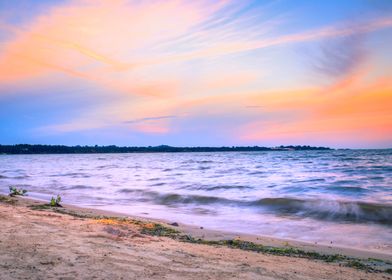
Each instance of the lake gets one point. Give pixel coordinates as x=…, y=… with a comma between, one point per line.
x=339, y=196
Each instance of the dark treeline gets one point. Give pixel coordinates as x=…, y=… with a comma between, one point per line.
x=59, y=149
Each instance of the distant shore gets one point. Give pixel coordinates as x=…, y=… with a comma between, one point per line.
x=60, y=149
x=38, y=240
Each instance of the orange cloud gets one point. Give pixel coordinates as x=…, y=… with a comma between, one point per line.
x=135, y=50
x=101, y=38
x=358, y=112
x=95, y=39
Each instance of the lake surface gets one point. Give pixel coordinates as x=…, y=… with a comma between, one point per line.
x=343, y=196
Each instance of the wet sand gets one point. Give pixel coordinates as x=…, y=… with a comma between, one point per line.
x=42, y=244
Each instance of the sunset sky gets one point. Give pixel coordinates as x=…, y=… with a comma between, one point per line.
x=196, y=73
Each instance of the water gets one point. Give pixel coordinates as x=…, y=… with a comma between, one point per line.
x=316, y=196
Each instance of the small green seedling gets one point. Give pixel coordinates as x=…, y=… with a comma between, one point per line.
x=55, y=202
x=14, y=191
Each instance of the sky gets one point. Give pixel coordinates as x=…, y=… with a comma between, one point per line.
x=196, y=73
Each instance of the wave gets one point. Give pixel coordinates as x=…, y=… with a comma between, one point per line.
x=79, y=187
x=218, y=187
x=107, y=166
x=349, y=211
x=21, y=177
x=154, y=179
x=354, y=190
x=171, y=199
x=349, y=158
x=311, y=180
x=198, y=161
x=14, y=177
x=340, y=211
x=204, y=168
x=257, y=173
x=158, y=184
x=72, y=175
x=227, y=188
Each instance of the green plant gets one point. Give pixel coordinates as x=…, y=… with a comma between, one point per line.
x=55, y=202
x=14, y=191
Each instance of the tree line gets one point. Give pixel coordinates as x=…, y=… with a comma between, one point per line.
x=61, y=149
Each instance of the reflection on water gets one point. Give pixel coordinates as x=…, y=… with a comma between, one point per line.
x=323, y=196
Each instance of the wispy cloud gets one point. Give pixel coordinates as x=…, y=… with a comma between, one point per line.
x=150, y=119
x=341, y=56
x=71, y=40
x=164, y=59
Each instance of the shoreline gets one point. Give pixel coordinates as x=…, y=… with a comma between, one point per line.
x=216, y=235
x=39, y=241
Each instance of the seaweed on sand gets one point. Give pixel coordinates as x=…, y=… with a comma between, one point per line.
x=155, y=229
x=160, y=230
x=7, y=200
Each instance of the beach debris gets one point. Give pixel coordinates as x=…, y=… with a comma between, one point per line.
x=47, y=263
x=175, y=224
x=14, y=191
x=55, y=202
x=114, y=231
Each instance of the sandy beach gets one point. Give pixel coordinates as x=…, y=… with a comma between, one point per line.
x=39, y=243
